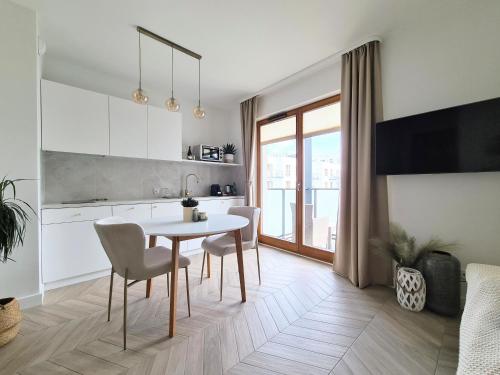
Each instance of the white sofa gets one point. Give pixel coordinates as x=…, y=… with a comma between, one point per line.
x=480, y=325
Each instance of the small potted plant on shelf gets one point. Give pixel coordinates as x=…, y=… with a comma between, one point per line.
x=410, y=284
x=189, y=204
x=13, y=220
x=229, y=151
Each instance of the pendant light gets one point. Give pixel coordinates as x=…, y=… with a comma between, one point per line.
x=198, y=111
x=139, y=96
x=171, y=103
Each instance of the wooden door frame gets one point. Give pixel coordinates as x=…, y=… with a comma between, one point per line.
x=298, y=246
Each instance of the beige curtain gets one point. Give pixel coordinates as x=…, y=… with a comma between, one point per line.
x=248, y=113
x=363, y=212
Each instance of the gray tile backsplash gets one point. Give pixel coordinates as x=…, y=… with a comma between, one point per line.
x=67, y=177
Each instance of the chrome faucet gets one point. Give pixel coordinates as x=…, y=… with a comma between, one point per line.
x=186, y=191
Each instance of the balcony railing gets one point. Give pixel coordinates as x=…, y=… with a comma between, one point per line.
x=323, y=202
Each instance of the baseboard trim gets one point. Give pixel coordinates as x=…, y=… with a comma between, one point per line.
x=30, y=301
x=76, y=279
x=96, y=275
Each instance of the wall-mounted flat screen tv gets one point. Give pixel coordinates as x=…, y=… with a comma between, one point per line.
x=452, y=140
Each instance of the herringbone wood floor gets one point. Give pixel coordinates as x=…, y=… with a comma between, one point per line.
x=303, y=319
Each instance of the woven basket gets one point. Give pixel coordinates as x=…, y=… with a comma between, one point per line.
x=10, y=319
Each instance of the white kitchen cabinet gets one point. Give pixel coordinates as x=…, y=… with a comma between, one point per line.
x=71, y=248
x=166, y=209
x=133, y=212
x=208, y=206
x=74, y=120
x=128, y=128
x=237, y=202
x=164, y=134
x=72, y=214
x=169, y=209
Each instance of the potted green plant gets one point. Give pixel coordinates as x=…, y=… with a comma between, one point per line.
x=229, y=151
x=410, y=284
x=13, y=220
x=188, y=205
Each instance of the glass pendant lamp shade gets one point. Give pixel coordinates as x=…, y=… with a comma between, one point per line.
x=172, y=105
x=139, y=96
x=198, y=111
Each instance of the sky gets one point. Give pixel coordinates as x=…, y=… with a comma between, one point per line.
x=326, y=145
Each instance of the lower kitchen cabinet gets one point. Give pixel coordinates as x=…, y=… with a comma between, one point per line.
x=132, y=212
x=70, y=246
x=72, y=252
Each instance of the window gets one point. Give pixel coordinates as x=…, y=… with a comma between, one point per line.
x=302, y=149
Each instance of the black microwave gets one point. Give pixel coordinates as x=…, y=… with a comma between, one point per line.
x=208, y=153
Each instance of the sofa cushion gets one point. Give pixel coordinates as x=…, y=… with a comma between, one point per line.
x=480, y=325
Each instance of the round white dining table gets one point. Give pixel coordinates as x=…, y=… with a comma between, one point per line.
x=177, y=230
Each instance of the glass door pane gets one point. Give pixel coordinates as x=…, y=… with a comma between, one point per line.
x=321, y=176
x=278, y=168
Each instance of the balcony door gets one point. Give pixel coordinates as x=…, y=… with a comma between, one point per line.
x=299, y=178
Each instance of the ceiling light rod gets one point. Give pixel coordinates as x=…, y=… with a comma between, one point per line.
x=161, y=39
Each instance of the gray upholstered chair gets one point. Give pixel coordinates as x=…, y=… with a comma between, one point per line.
x=124, y=244
x=223, y=244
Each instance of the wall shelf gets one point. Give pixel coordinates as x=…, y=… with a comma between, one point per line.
x=212, y=163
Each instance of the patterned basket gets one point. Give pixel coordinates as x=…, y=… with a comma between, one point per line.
x=10, y=319
x=410, y=289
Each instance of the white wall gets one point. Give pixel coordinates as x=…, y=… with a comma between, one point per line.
x=213, y=129
x=296, y=92
x=452, y=60
x=20, y=141
x=434, y=63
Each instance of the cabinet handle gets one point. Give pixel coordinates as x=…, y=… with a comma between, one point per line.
x=77, y=214
x=130, y=209
x=155, y=206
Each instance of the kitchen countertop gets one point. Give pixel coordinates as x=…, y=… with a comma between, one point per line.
x=133, y=201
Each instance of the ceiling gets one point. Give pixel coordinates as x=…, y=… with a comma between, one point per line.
x=246, y=45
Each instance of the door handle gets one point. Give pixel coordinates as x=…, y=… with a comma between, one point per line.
x=298, y=186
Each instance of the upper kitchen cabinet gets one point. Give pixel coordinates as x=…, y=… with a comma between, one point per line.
x=164, y=134
x=128, y=128
x=74, y=120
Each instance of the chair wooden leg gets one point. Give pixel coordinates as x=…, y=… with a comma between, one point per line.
x=221, y=275
x=258, y=259
x=168, y=284
x=203, y=266
x=208, y=265
x=125, y=310
x=187, y=291
x=110, y=293
x=148, y=288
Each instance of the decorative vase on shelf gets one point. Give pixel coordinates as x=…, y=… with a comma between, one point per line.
x=228, y=158
x=187, y=214
x=410, y=289
x=441, y=271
